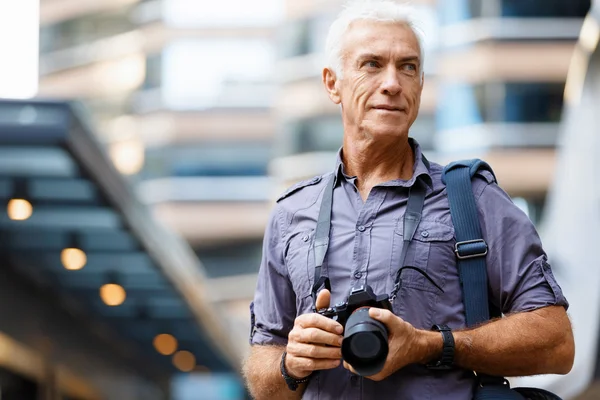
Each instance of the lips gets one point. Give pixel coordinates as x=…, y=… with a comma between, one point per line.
x=387, y=107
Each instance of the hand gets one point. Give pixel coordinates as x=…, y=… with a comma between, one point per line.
x=402, y=343
x=314, y=343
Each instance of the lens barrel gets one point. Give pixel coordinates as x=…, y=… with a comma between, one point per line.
x=365, y=344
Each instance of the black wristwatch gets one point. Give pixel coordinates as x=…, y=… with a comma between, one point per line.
x=447, y=358
x=292, y=383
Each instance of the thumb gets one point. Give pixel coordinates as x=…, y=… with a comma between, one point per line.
x=323, y=299
x=385, y=316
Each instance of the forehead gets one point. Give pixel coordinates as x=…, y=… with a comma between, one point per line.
x=380, y=38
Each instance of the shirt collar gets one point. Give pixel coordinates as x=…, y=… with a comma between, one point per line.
x=421, y=169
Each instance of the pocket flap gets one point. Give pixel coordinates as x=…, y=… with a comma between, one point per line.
x=429, y=231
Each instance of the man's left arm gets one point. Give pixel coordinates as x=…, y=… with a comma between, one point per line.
x=534, y=336
x=527, y=343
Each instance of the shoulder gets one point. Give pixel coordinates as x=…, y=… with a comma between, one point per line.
x=483, y=177
x=311, y=185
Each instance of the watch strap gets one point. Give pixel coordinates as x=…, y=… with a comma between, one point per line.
x=446, y=360
x=291, y=382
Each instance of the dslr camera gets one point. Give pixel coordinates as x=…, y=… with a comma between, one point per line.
x=365, y=343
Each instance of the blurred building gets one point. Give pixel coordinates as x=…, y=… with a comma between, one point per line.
x=182, y=93
x=502, y=71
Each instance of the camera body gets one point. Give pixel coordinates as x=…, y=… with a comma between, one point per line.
x=365, y=343
x=362, y=296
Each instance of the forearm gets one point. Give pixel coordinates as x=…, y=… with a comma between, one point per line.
x=261, y=371
x=529, y=343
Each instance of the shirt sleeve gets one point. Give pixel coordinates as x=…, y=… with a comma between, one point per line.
x=273, y=311
x=519, y=275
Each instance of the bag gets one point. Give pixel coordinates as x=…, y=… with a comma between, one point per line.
x=471, y=250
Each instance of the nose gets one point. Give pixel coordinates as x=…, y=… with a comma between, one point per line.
x=391, y=84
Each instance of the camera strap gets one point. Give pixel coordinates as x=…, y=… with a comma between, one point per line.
x=411, y=219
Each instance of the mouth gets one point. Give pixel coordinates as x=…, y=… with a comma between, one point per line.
x=388, y=108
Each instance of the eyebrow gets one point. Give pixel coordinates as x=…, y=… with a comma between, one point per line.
x=376, y=57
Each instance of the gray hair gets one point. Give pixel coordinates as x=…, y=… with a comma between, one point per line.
x=370, y=10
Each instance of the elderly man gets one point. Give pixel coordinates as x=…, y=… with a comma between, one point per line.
x=375, y=72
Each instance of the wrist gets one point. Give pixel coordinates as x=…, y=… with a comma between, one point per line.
x=430, y=346
x=446, y=360
x=297, y=375
x=292, y=382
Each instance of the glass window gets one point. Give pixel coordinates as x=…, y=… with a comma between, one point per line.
x=323, y=133
x=201, y=74
x=86, y=29
x=208, y=159
x=153, y=76
x=454, y=11
x=231, y=259
x=462, y=105
x=222, y=13
x=545, y=8
x=533, y=102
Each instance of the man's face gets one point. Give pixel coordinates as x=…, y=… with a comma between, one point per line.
x=380, y=91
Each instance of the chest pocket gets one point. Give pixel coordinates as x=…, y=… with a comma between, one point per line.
x=431, y=251
x=299, y=260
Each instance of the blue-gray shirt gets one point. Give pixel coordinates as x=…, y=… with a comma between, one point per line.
x=367, y=236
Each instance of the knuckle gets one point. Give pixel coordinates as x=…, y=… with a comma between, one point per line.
x=291, y=349
x=314, y=319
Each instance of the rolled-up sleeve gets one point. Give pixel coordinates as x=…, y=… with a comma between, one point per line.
x=273, y=310
x=520, y=278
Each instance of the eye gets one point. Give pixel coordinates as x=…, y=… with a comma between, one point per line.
x=371, y=64
x=409, y=67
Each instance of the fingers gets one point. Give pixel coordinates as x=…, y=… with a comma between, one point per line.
x=305, y=350
x=314, y=336
x=314, y=320
x=349, y=367
x=385, y=316
x=323, y=299
x=308, y=365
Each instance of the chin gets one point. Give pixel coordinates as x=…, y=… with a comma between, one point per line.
x=388, y=130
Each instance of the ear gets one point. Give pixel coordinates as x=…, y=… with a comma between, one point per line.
x=330, y=83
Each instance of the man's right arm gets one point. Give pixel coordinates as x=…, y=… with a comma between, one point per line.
x=313, y=344
x=261, y=371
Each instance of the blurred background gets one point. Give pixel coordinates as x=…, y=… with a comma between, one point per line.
x=143, y=142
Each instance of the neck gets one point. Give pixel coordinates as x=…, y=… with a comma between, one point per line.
x=373, y=163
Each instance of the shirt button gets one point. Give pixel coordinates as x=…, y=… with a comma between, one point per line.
x=305, y=238
x=425, y=234
x=357, y=274
x=361, y=228
x=354, y=379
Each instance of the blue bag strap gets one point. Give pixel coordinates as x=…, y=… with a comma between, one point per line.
x=470, y=247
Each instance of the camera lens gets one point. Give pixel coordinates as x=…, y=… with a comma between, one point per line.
x=365, y=344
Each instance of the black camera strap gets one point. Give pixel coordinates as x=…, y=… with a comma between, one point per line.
x=412, y=217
